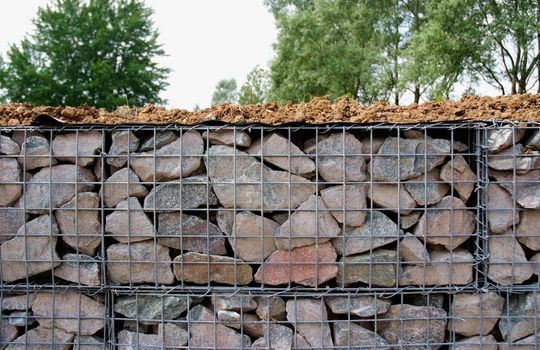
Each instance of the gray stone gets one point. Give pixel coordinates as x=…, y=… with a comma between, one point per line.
x=535, y=261
x=521, y=316
x=387, y=196
x=189, y=193
x=501, y=214
x=376, y=268
x=377, y=230
x=177, y=159
x=339, y=152
x=7, y=334
x=203, y=268
x=71, y=311
x=229, y=137
x=36, y=153
x=248, y=323
x=18, y=302
x=475, y=314
x=310, y=145
x=347, y=206
x=311, y=223
x=116, y=187
x=371, y=145
x=239, y=303
x=457, y=173
x=408, y=221
x=516, y=157
x=123, y=143
x=88, y=343
x=137, y=341
x=160, y=139
x=534, y=140
x=20, y=135
x=11, y=219
x=413, y=251
x=129, y=222
x=79, y=268
x=529, y=343
x=140, y=262
x=190, y=233
x=503, y=137
x=38, y=338
x=149, y=308
x=78, y=146
x=447, y=223
x=430, y=299
x=206, y=333
x=278, y=337
x=52, y=187
x=277, y=150
x=10, y=174
x=446, y=268
x=507, y=263
x=309, y=317
x=349, y=334
x=528, y=230
x=427, y=189
x=21, y=318
x=79, y=228
x=271, y=308
x=527, y=186
x=405, y=326
x=476, y=343
x=31, y=251
x=361, y=306
x=8, y=146
x=172, y=336
x=237, y=180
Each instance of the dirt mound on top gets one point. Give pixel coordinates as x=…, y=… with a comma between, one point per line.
x=318, y=111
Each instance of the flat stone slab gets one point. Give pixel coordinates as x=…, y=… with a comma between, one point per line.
x=158, y=140
x=475, y=314
x=516, y=157
x=80, y=147
x=376, y=268
x=203, y=268
x=503, y=137
x=361, y=306
x=229, y=137
x=79, y=268
x=237, y=303
x=122, y=184
x=309, y=317
x=18, y=302
x=129, y=223
x=348, y=206
x=507, y=262
x=148, y=308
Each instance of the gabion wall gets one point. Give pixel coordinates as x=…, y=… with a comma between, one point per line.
x=291, y=237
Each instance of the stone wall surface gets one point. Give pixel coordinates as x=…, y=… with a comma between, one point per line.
x=171, y=237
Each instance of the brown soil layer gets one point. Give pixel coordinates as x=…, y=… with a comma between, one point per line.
x=318, y=111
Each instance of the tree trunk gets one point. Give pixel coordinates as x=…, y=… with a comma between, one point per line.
x=416, y=94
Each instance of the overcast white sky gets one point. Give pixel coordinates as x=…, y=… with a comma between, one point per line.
x=206, y=41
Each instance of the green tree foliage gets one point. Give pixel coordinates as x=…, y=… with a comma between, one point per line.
x=255, y=89
x=98, y=52
x=225, y=92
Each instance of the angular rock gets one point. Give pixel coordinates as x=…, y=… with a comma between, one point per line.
x=8, y=332
x=361, y=306
x=229, y=137
x=129, y=222
x=457, y=173
x=78, y=146
x=278, y=337
x=310, y=145
x=501, y=214
x=507, y=263
x=8, y=146
x=67, y=180
x=339, y=152
x=521, y=316
x=527, y=186
x=123, y=143
x=79, y=228
x=10, y=174
x=413, y=251
x=528, y=230
x=36, y=153
x=516, y=157
x=277, y=150
x=239, y=303
x=248, y=323
x=271, y=308
x=11, y=219
x=309, y=317
x=347, y=206
x=408, y=221
x=158, y=140
x=147, y=308
x=140, y=262
x=203, y=268
x=40, y=337
x=475, y=314
x=446, y=268
x=371, y=145
x=72, y=312
x=206, y=333
x=529, y=343
x=447, y=223
x=534, y=140
x=378, y=230
x=172, y=335
x=431, y=299
x=386, y=196
x=427, y=189
x=79, y=268
x=311, y=223
x=137, y=341
x=119, y=186
x=190, y=233
x=177, y=159
x=535, y=260
x=18, y=302
x=348, y=333
x=503, y=137
x=188, y=193
x=376, y=268
x=476, y=343
x=31, y=251
x=242, y=182
x=21, y=318
x=284, y=266
x=87, y=343
x=405, y=326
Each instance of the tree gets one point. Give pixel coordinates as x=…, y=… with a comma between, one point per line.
x=95, y=52
x=255, y=89
x=225, y=92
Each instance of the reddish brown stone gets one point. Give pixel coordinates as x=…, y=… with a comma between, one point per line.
x=459, y=175
x=203, y=268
